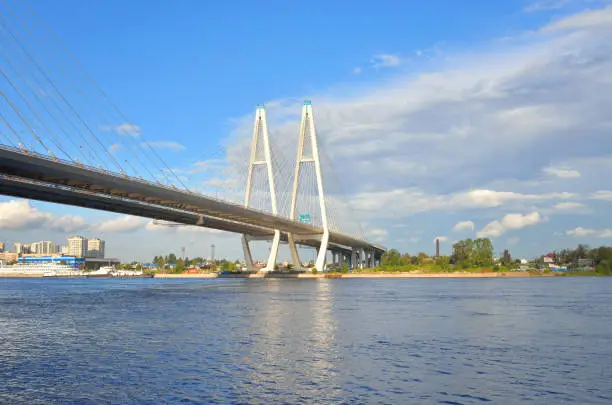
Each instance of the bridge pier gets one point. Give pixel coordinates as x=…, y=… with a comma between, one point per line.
x=248, y=257
x=362, y=258
x=295, y=256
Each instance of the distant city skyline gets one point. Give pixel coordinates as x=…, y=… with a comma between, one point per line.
x=77, y=246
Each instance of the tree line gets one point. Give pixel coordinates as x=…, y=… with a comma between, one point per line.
x=466, y=253
x=479, y=253
x=178, y=265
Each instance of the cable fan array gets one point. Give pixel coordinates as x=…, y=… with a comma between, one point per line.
x=49, y=104
x=283, y=147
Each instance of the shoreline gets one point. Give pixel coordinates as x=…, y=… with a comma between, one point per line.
x=517, y=274
x=373, y=275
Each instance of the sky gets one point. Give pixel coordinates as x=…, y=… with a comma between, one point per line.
x=439, y=119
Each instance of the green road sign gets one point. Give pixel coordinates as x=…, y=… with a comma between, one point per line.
x=305, y=218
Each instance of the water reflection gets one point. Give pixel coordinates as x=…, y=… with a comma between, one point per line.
x=293, y=344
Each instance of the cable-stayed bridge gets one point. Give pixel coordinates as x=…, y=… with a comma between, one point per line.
x=62, y=140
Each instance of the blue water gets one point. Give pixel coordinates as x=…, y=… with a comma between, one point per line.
x=408, y=341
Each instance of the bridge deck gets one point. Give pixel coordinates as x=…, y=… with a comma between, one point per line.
x=40, y=177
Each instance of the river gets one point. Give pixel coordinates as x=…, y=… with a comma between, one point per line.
x=360, y=341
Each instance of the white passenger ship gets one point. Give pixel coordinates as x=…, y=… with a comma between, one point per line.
x=38, y=269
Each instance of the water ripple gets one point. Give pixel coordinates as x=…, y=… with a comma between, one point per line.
x=305, y=342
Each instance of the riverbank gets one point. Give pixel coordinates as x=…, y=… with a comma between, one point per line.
x=361, y=275
x=186, y=275
x=273, y=275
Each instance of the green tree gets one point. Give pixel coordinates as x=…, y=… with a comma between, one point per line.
x=171, y=259
x=444, y=262
x=391, y=258
x=159, y=262
x=463, y=252
x=179, y=267
x=483, y=252
x=406, y=260
x=506, y=259
x=421, y=257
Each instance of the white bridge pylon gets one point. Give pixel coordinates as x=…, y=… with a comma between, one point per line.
x=260, y=155
x=307, y=153
x=308, y=135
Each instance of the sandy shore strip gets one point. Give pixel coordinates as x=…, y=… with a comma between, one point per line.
x=357, y=275
x=186, y=275
x=324, y=275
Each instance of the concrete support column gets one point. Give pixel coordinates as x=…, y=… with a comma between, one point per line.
x=295, y=257
x=248, y=257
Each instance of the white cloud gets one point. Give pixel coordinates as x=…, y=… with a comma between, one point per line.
x=562, y=173
x=378, y=232
x=125, y=223
x=605, y=195
x=517, y=221
x=128, y=129
x=546, y=5
x=582, y=232
x=20, y=214
x=168, y=145
x=64, y=223
x=492, y=230
x=510, y=221
x=402, y=202
x=463, y=226
x=357, y=70
x=385, y=60
x=441, y=239
x=568, y=206
x=171, y=227
x=586, y=19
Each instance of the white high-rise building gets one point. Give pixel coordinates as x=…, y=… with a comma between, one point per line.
x=22, y=248
x=45, y=247
x=95, y=248
x=77, y=246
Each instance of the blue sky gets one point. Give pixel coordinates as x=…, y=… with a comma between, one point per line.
x=436, y=113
